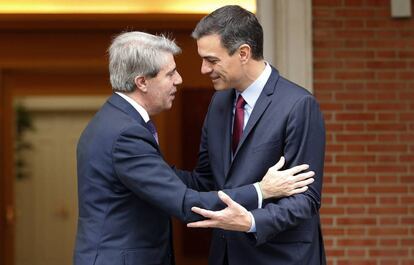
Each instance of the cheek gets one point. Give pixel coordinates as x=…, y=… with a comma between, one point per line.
x=166, y=92
x=226, y=68
x=233, y=73
x=219, y=69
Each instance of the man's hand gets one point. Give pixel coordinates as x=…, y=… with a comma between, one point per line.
x=234, y=217
x=276, y=184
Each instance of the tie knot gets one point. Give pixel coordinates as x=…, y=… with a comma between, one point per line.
x=240, y=102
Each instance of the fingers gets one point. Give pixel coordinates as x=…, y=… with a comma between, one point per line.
x=299, y=190
x=279, y=164
x=303, y=183
x=212, y=216
x=297, y=169
x=202, y=224
x=304, y=176
x=303, y=180
x=203, y=212
x=226, y=199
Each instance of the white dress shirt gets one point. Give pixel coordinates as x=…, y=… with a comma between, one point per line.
x=139, y=108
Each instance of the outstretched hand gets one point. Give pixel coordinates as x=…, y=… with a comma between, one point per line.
x=276, y=184
x=234, y=217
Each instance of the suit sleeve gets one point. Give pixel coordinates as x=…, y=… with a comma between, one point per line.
x=141, y=168
x=304, y=143
x=201, y=178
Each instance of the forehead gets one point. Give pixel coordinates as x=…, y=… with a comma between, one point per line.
x=210, y=45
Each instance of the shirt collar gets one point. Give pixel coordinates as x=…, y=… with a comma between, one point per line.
x=139, y=108
x=252, y=92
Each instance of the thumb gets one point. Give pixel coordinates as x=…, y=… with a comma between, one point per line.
x=225, y=198
x=279, y=164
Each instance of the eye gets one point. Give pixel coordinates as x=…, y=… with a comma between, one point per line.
x=212, y=61
x=170, y=74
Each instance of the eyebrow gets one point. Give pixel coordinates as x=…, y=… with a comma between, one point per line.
x=210, y=57
x=172, y=71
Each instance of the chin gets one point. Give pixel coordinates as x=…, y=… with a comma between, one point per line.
x=219, y=88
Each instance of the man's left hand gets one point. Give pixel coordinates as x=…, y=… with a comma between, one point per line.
x=234, y=217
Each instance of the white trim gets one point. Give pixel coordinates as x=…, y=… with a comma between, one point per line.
x=287, y=26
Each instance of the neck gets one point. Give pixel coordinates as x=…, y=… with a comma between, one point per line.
x=137, y=97
x=252, y=70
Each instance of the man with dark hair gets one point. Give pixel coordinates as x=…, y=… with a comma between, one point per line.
x=255, y=117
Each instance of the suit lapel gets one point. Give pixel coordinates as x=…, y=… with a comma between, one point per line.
x=261, y=105
x=227, y=123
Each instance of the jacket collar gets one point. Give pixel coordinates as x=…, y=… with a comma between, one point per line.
x=124, y=106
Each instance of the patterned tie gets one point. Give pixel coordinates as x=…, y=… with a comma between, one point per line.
x=153, y=130
x=238, y=122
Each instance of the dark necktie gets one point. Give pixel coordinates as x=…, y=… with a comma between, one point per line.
x=153, y=130
x=238, y=122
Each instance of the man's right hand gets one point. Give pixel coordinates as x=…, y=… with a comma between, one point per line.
x=276, y=184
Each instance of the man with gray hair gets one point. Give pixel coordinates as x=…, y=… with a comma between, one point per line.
x=127, y=192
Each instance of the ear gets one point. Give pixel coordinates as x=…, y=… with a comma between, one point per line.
x=141, y=83
x=245, y=53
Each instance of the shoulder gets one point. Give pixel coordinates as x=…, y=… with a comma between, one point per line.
x=222, y=97
x=290, y=93
x=289, y=88
x=221, y=101
x=110, y=123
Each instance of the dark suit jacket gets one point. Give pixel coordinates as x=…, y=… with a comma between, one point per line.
x=286, y=120
x=127, y=192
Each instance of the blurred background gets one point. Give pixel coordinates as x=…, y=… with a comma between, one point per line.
x=356, y=56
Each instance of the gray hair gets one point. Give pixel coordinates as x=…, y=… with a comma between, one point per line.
x=133, y=54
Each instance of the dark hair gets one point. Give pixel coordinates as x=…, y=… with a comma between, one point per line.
x=235, y=26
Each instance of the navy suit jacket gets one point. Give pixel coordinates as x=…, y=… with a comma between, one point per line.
x=127, y=192
x=286, y=121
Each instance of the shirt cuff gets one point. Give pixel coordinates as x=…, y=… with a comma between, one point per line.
x=259, y=195
x=253, y=227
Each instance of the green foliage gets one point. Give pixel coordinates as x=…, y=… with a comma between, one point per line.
x=23, y=124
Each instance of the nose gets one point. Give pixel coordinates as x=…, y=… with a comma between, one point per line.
x=178, y=79
x=206, y=67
